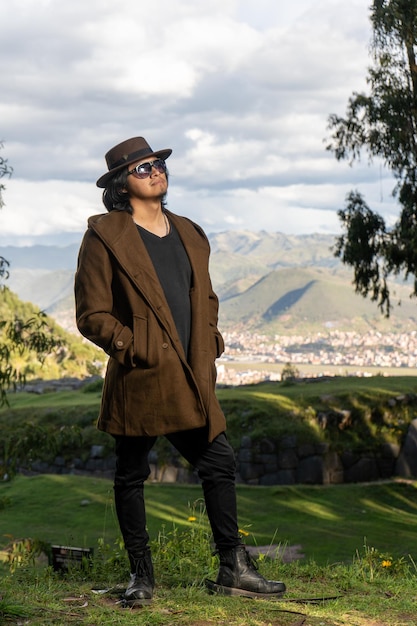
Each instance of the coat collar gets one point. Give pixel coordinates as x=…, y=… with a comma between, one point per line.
x=119, y=233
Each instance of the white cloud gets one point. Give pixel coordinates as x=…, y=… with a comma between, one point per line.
x=241, y=91
x=47, y=207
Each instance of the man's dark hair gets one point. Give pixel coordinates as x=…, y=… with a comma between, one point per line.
x=116, y=197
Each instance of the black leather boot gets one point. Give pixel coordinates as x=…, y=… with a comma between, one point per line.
x=238, y=576
x=139, y=591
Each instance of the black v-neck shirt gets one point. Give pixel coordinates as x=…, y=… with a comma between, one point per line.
x=173, y=268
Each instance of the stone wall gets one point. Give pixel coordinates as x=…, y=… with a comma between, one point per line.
x=266, y=463
x=262, y=462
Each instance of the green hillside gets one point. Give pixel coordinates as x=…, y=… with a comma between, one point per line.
x=295, y=300
x=74, y=357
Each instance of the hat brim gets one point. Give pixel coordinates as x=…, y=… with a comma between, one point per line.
x=160, y=154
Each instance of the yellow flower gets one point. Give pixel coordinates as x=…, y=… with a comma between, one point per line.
x=386, y=563
x=192, y=518
x=244, y=533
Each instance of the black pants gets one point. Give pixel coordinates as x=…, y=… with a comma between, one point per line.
x=215, y=464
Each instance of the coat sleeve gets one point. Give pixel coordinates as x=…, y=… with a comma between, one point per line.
x=94, y=301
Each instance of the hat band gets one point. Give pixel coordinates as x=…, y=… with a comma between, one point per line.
x=132, y=157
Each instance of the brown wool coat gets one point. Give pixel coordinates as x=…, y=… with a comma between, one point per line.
x=150, y=388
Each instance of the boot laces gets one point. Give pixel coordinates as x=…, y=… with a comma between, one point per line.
x=251, y=562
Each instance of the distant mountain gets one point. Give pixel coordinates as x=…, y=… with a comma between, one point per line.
x=45, y=288
x=303, y=300
x=276, y=249
x=268, y=282
x=240, y=258
x=41, y=257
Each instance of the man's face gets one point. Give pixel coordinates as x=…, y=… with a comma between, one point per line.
x=152, y=185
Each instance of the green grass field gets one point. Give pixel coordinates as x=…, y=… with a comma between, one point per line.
x=329, y=522
x=358, y=543
x=358, y=540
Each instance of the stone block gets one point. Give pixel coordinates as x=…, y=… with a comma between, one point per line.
x=365, y=470
x=286, y=477
x=269, y=462
x=348, y=459
x=306, y=449
x=244, y=455
x=266, y=446
x=282, y=477
x=310, y=470
x=250, y=471
x=390, y=450
x=40, y=466
x=287, y=459
x=386, y=467
x=96, y=452
x=406, y=465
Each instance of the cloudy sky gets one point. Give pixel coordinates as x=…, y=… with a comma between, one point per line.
x=241, y=90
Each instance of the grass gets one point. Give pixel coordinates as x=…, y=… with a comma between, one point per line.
x=330, y=523
x=376, y=386
x=358, y=542
x=373, y=388
x=274, y=410
x=271, y=410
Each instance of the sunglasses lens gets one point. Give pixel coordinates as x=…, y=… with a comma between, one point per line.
x=159, y=165
x=143, y=170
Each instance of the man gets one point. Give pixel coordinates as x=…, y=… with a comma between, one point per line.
x=144, y=295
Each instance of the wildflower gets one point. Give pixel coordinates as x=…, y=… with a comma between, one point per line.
x=386, y=563
x=244, y=533
x=192, y=518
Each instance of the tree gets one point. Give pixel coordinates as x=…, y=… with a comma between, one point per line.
x=290, y=372
x=17, y=335
x=5, y=170
x=383, y=124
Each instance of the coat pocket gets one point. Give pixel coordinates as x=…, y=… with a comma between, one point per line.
x=140, y=340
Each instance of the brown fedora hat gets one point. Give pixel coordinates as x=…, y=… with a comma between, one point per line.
x=128, y=152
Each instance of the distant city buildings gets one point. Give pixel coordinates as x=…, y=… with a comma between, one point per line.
x=336, y=349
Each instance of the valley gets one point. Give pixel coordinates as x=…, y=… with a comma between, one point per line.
x=283, y=299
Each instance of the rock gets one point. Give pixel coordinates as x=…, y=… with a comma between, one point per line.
x=406, y=465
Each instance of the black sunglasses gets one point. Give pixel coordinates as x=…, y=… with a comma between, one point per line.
x=144, y=169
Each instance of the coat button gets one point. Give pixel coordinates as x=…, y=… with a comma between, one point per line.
x=165, y=345
x=119, y=343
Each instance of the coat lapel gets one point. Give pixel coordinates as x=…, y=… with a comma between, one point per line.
x=119, y=233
